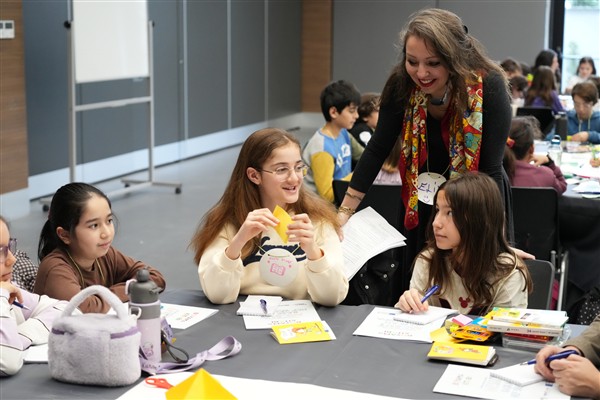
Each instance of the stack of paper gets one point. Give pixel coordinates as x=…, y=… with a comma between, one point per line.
x=527, y=321
x=519, y=374
x=367, y=234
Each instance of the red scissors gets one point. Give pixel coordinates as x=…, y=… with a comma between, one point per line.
x=158, y=382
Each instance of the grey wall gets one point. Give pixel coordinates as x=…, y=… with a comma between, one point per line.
x=224, y=64
x=210, y=63
x=366, y=33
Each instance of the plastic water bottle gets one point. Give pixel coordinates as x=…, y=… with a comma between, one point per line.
x=555, y=150
x=143, y=299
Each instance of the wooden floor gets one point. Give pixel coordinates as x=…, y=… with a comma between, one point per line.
x=154, y=224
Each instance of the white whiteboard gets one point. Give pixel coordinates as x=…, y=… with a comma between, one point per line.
x=110, y=39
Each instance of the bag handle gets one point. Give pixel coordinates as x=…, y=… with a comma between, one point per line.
x=105, y=293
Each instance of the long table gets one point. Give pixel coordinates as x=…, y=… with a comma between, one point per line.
x=362, y=364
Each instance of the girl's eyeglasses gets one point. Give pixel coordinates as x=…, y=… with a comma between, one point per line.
x=12, y=247
x=283, y=173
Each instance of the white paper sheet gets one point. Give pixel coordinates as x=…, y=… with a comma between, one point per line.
x=380, y=323
x=250, y=389
x=288, y=312
x=367, y=234
x=36, y=354
x=477, y=382
x=182, y=317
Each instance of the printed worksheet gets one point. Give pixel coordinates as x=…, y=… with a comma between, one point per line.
x=182, y=317
x=477, y=382
x=287, y=312
x=381, y=323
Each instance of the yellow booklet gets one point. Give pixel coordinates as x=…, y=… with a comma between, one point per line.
x=463, y=353
x=302, y=332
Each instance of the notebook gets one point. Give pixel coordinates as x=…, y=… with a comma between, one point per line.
x=302, y=332
x=432, y=314
x=463, y=353
x=252, y=305
x=521, y=375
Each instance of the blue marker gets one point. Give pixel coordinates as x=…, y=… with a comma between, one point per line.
x=263, y=305
x=430, y=292
x=23, y=306
x=553, y=357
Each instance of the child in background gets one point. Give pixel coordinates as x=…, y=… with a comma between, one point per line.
x=585, y=69
x=20, y=327
x=331, y=150
x=542, y=92
x=238, y=233
x=368, y=114
x=75, y=249
x=519, y=155
x=467, y=254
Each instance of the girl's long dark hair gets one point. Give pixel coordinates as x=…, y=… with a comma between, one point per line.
x=68, y=203
x=478, y=213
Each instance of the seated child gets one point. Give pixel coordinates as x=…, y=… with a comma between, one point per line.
x=467, y=254
x=75, y=249
x=20, y=327
x=238, y=234
x=524, y=168
x=368, y=114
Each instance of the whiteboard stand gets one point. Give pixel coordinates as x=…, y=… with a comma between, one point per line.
x=130, y=184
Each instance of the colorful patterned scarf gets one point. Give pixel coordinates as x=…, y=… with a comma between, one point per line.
x=464, y=144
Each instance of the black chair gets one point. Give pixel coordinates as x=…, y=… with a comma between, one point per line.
x=379, y=281
x=542, y=274
x=535, y=216
x=543, y=114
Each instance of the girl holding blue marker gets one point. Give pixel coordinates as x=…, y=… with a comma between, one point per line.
x=467, y=263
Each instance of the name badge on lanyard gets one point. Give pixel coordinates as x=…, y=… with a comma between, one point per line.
x=428, y=184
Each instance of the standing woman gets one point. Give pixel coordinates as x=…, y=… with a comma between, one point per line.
x=450, y=104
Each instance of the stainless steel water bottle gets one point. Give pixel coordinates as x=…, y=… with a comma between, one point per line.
x=143, y=300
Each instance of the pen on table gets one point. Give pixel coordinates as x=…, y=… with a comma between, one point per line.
x=263, y=305
x=16, y=303
x=430, y=292
x=557, y=356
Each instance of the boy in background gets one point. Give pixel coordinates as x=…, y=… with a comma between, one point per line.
x=330, y=151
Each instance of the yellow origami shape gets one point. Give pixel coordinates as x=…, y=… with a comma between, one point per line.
x=284, y=220
x=200, y=386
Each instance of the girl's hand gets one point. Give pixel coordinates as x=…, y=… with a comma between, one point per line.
x=13, y=291
x=301, y=230
x=256, y=222
x=595, y=162
x=410, y=301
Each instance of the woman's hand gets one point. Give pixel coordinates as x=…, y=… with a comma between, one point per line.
x=576, y=376
x=301, y=230
x=595, y=162
x=410, y=301
x=540, y=360
x=256, y=222
x=14, y=293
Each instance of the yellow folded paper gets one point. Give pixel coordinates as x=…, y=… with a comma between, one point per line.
x=200, y=386
x=284, y=220
x=302, y=332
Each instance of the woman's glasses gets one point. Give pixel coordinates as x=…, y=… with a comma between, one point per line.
x=12, y=247
x=284, y=173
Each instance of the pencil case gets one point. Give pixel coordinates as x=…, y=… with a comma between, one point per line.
x=95, y=349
